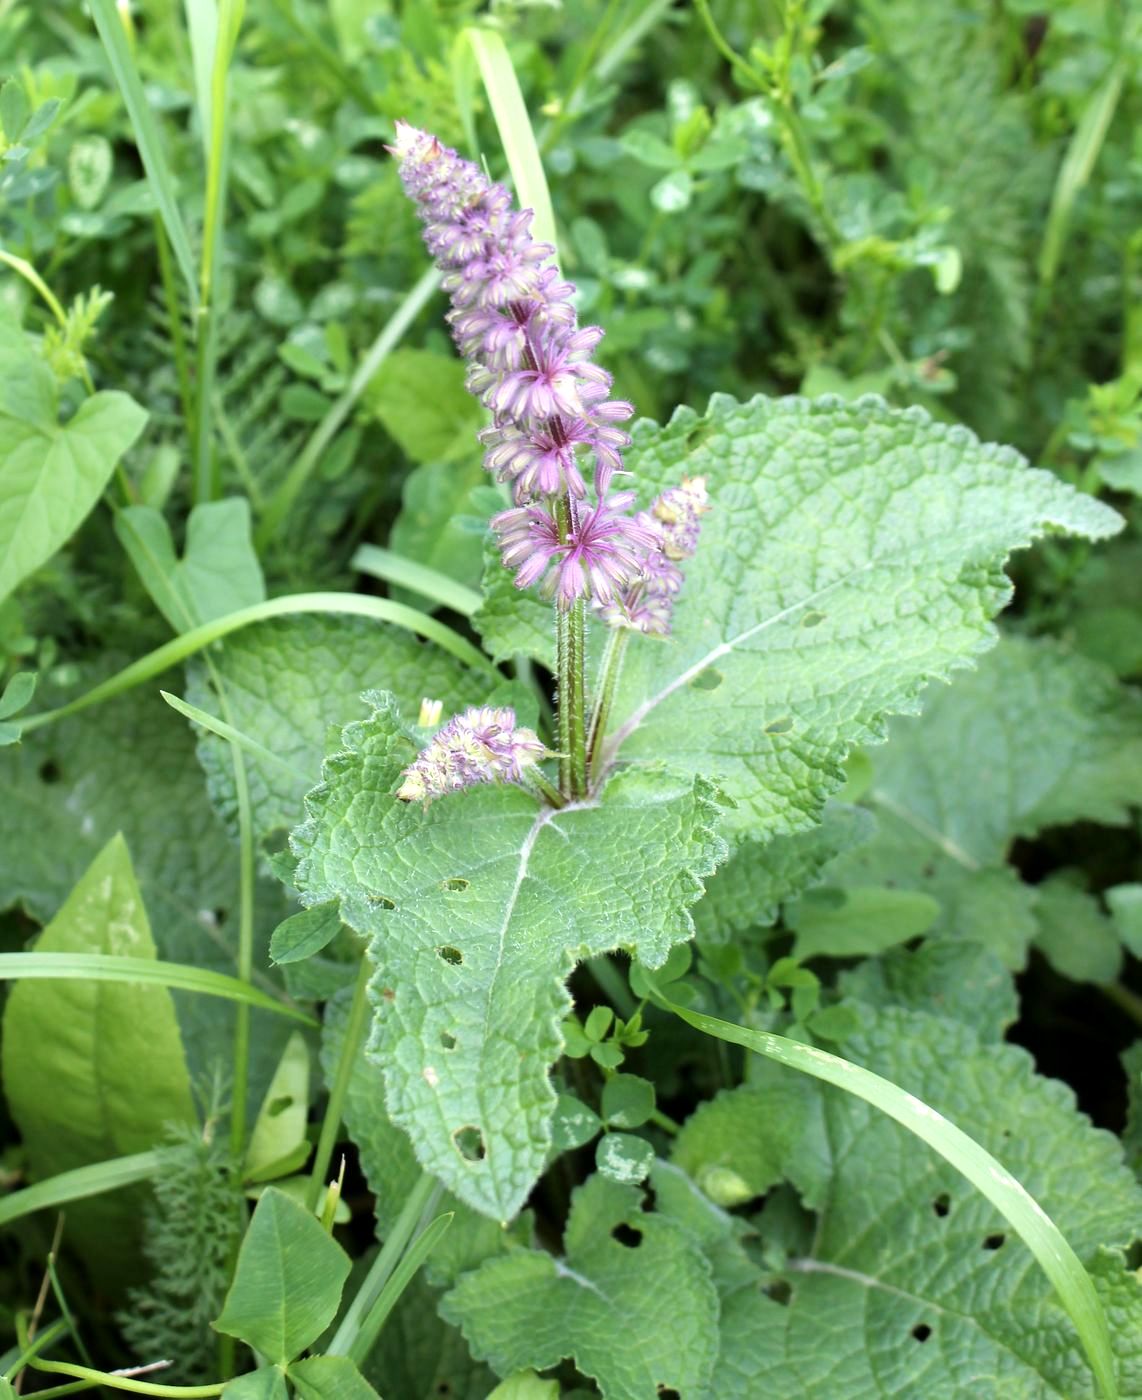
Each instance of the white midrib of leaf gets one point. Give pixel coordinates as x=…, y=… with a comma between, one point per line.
x=543, y=816
x=724, y=649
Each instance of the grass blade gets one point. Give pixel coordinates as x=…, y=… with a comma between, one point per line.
x=514, y=125
x=1041, y=1236
x=396, y=1284
x=147, y=137
x=419, y=578
x=290, y=605
x=230, y=734
x=182, y=977
x=78, y=1184
x=1076, y=169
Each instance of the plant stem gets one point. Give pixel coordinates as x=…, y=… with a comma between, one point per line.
x=609, y=673
x=540, y=780
x=176, y=327
x=351, y=1043
x=399, y=1280
x=571, y=631
x=108, y=1378
x=1124, y=998
x=420, y=1200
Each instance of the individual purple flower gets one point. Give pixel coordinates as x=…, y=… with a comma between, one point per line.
x=513, y=321
x=604, y=551
x=674, y=523
x=481, y=745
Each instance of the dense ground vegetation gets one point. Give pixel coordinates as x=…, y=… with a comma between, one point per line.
x=244, y=535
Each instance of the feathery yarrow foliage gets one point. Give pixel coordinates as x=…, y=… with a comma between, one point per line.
x=191, y=1228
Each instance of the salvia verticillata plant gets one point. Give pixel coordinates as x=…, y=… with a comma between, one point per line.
x=644, y=990
x=532, y=365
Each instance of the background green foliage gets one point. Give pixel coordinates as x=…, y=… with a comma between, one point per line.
x=223, y=370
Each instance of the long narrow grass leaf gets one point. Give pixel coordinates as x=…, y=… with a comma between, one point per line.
x=78, y=1184
x=290, y=605
x=419, y=578
x=182, y=977
x=230, y=734
x=396, y=1284
x=1076, y=168
x=147, y=137
x=514, y=125
x=1037, y=1231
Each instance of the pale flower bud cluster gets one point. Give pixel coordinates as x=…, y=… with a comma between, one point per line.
x=481, y=745
x=675, y=522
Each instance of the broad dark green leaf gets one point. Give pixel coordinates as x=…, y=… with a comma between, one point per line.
x=288, y=1282
x=218, y=573
x=53, y=472
x=95, y=1070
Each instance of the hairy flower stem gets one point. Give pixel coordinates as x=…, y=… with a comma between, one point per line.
x=571, y=630
x=548, y=789
x=609, y=673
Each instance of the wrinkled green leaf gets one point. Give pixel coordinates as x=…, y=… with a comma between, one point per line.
x=759, y=875
x=473, y=939
x=962, y=981
x=512, y=622
x=620, y=1262
x=289, y=682
x=916, y=1277
x=852, y=553
x=1037, y=737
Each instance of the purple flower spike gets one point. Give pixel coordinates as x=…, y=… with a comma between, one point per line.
x=482, y=745
x=513, y=321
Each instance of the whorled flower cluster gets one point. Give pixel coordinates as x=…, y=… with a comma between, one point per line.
x=674, y=520
x=481, y=745
x=532, y=365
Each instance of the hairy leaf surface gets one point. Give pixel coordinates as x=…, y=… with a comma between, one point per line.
x=911, y=1275
x=1037, y=737
x=853, y=553
x=747, y=890
x=621, y=1264
x=289, y=680
x=477, y=909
